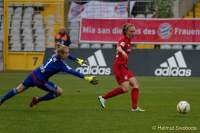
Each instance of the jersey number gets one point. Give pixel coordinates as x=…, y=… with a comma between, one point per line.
x=35, y=59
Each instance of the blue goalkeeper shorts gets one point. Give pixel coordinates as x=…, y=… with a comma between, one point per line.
x=32, y=81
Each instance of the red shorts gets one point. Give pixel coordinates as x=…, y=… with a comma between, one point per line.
x=122, y=73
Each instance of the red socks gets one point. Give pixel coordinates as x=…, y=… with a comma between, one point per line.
x=113, y=93
x=134, y=97
x=118, y=91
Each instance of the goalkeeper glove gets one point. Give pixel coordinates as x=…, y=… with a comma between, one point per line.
x=92, y=79
x=80, y=61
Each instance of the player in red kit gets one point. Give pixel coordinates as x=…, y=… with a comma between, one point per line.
x=124, y=77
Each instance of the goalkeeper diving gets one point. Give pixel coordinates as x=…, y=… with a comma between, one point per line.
x=39, y=77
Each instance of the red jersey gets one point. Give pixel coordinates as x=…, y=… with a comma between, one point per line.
x=125, y=44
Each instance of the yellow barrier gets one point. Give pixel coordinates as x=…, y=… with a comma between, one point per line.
x=197, y=10
x=145, y=46
x=24, y=60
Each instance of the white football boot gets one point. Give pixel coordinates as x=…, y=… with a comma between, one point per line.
x=138, y=109
x=102, y=101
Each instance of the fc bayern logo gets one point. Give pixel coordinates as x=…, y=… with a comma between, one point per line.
x=165, y=31
x=121, y=8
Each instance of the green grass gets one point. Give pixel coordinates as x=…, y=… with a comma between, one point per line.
x=77, y=110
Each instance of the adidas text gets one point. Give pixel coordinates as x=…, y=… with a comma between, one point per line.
x=183, y=72
x=94, y=70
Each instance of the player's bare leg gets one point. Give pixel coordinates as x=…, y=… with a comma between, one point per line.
x=46, y=97
x=114, y=92
x=20, y=88
x=135, y=95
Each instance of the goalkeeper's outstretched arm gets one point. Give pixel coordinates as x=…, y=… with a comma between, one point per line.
x=77, y=60
x=91, y=79
x=70, y=56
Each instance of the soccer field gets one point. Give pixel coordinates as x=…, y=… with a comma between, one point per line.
x=77, y=110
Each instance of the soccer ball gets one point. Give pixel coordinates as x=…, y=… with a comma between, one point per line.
x=183, y=107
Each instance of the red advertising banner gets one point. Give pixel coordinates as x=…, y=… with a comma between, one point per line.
x=156, y=31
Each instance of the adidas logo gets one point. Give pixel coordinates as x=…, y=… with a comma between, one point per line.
x=97, y=65
x=174, y=66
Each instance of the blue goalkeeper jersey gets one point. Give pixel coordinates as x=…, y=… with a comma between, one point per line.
x=54, y=65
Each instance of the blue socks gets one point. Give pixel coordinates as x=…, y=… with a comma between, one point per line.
x=13, y=92
x=8, y=95
x=48, y=96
